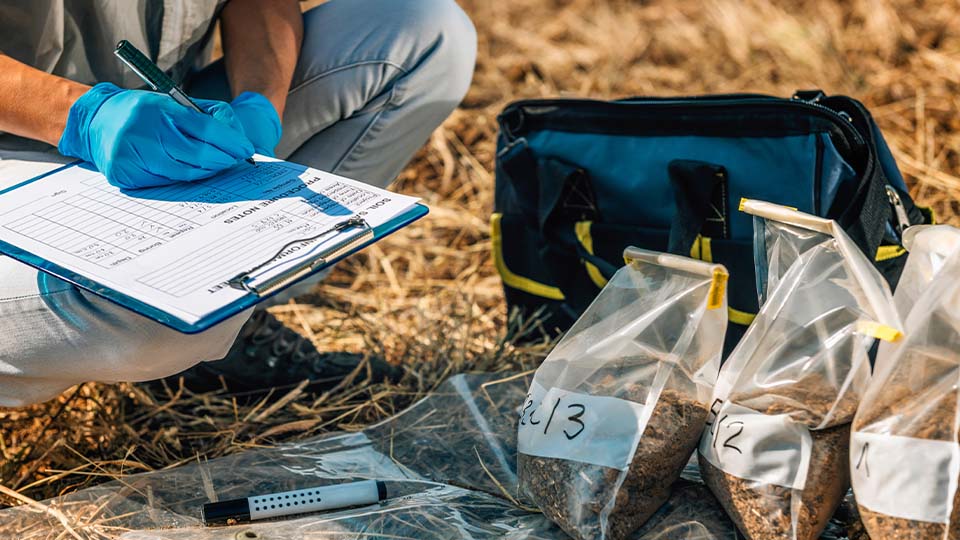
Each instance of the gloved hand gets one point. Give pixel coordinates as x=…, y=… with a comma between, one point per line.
x=139, y=139
x=260, y=121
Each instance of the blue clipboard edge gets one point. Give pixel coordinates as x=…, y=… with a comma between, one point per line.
x=162, y=317
x=44, y=175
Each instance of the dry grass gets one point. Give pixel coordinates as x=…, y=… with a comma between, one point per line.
x=429, y=298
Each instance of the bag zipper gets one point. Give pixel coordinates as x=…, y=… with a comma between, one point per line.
x=842, y=121
x=899, y=210
x=813, y=102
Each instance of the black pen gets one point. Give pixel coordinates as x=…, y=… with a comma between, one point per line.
x=156, y=78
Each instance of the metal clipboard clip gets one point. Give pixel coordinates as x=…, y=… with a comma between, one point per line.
x=244, y=281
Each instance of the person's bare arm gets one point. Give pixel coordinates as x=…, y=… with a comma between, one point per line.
x=261, y=43
x=35, y=104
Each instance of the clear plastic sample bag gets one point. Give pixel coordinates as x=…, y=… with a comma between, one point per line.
x=930, y=246
x=614, y=412
x=776, y=444
x=904, y=454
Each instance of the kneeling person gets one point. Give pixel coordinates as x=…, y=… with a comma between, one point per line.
x=353, y=87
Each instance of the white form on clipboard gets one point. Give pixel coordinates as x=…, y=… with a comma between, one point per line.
x=189, y=249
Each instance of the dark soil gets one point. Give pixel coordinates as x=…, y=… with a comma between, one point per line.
x=765, y=512
x=593, y=502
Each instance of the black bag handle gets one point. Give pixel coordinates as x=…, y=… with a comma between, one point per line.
x=555, y=195
x=606, y=269
x=866, y=215
x=566, y=197
x=699, y=192
x=519, y=166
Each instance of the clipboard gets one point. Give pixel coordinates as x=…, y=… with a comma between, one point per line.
x=254, y=294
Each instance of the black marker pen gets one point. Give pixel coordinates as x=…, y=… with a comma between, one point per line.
x=293, y=502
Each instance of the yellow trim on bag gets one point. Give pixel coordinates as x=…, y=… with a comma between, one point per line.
x=885, y=253
x=515, y=281
x=702, y=249
x=740, y=317
x=879, y=331
x=582, y=230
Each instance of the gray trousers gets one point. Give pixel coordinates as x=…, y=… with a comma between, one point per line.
x=374, y=78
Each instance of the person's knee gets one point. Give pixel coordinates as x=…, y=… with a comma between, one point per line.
x=453, y=42
x=389, y=71
x=455, y=37
x=415, y=48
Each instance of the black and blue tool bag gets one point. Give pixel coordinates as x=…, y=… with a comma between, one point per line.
x=579, y=180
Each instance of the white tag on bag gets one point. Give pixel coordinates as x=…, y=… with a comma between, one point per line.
x=905, y=477
x=599, y=430
x=771, y=449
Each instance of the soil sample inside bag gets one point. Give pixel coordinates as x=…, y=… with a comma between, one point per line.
x=591, y=501
x=933, y=419
x=767, y=512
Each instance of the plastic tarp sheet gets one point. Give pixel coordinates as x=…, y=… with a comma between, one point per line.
x=449, y=462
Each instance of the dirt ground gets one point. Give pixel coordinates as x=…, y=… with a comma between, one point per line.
x=429, y=298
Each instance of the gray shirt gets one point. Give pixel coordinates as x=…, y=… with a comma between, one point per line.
x=76, y=38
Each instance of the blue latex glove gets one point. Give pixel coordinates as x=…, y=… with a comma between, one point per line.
x=139, y=139
x=260, y=121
